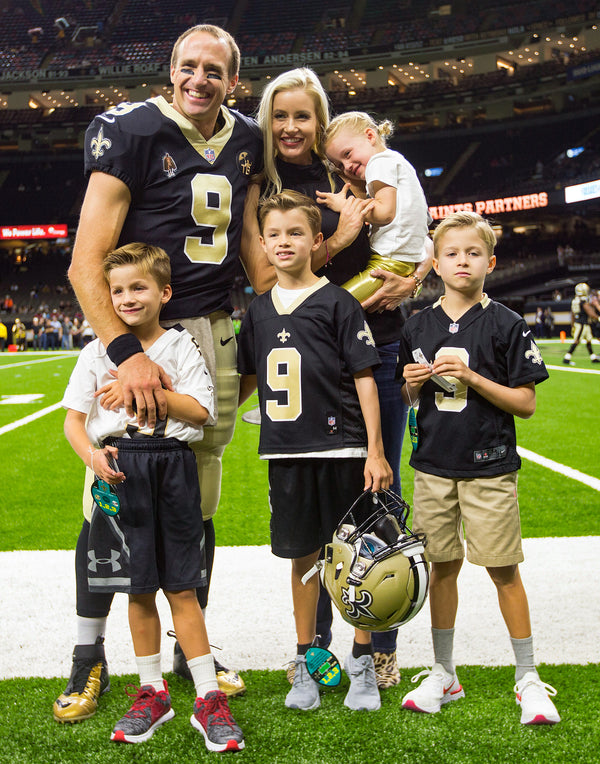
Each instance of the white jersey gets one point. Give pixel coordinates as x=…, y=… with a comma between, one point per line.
x=403, y=238
x=176, y=352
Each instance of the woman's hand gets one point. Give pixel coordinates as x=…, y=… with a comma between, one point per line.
x=394, y=290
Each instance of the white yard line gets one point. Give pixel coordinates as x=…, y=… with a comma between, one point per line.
x=31, y=418
x=67, y=354
x=562, y=469
x=572, y=369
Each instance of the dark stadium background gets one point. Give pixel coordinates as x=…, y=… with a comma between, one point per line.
x=496, y=104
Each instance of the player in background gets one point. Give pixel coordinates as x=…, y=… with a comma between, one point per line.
x=583, y=316
x=174, y=174
x=355, y=144
x=471, y=366
x=155, y=538
x=307, y=347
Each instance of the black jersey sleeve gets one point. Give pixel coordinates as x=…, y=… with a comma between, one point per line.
x=246, y=356
x=116, y=141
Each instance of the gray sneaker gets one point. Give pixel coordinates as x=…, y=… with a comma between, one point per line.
x=363, y=694
x=304, y=694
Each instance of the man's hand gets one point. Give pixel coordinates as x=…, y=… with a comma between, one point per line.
x=142, y=381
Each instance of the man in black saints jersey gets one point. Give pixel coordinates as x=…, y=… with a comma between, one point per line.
x=173, y=175
x=583, y=318
x=472, y=365
x=307, y=347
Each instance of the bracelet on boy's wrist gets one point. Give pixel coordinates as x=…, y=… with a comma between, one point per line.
x=123, y=347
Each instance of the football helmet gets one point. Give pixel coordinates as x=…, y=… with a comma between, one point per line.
x=375, y=568
x=582, y=290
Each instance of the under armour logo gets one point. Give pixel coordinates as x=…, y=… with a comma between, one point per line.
x=534, y=354
x=283, y=336
x=365, y=334
x=357, y=607
x=112, y=560
x=100, y=144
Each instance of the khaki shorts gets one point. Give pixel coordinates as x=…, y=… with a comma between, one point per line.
x=483, y=511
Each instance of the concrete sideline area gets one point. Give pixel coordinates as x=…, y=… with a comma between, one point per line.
x=250, y=613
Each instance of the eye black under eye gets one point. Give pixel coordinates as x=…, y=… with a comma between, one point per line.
x=213, y=76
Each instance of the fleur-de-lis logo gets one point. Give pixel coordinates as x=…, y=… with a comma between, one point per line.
x=534, y=354
x=365, y=334
x=100, y=144
x=359, y=606
x=283, y=336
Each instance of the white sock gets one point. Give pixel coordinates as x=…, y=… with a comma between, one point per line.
x=149, y=670
x=89, y=629
x=203, y=673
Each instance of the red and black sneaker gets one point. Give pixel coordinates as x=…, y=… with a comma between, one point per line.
x=213, y=719
x=150, y=709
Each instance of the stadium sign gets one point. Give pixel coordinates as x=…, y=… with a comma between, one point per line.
x=493, y=206
x=58, y=231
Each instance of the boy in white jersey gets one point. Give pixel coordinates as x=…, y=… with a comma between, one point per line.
x=307, y=347
x=158, y=530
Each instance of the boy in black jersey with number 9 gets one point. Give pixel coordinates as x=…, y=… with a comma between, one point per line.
x=307, y=347
x=465, y=453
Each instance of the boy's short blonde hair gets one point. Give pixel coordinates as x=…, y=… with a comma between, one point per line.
x=357, y=122
x=291, y=200
x=153, y=261
x=466, y=219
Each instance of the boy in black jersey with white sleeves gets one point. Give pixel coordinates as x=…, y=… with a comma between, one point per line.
x=308, y=348
x=472, y=365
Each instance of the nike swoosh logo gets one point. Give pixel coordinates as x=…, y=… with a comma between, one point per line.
x=107, y=119
x=526, y=333
x=224, y=342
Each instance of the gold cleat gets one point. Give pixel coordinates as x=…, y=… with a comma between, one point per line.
x=89, y=679
x=229, y=681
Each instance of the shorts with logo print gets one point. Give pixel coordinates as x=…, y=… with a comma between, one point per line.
x=483, y=511
x=156, y=541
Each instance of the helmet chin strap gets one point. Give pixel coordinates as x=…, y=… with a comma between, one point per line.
x=310, y=573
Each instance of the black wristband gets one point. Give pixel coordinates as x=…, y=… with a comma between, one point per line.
x=123, y=347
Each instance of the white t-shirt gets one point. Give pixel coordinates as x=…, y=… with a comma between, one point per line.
x=180, y=357
x=404, y=237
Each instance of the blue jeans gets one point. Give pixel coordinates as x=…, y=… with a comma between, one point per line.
x=393, y=424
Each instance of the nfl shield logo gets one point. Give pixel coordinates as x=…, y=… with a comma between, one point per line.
x=453, y=328
x=209, y=155
x=331, y=421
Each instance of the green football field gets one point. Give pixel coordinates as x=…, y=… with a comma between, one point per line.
x=559, y=485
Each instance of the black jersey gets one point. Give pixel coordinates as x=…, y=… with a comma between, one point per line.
x=308, y=179
x=304, y=358
x=187, y=194
x=461, y=434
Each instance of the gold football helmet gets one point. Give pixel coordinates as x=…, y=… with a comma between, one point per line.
x=582, y=290
x=375, y=570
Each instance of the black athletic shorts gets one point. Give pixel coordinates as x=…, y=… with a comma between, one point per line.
x=157, y=539
x=308, y=498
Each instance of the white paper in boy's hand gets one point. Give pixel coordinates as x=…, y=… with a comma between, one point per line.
x=419, y=357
